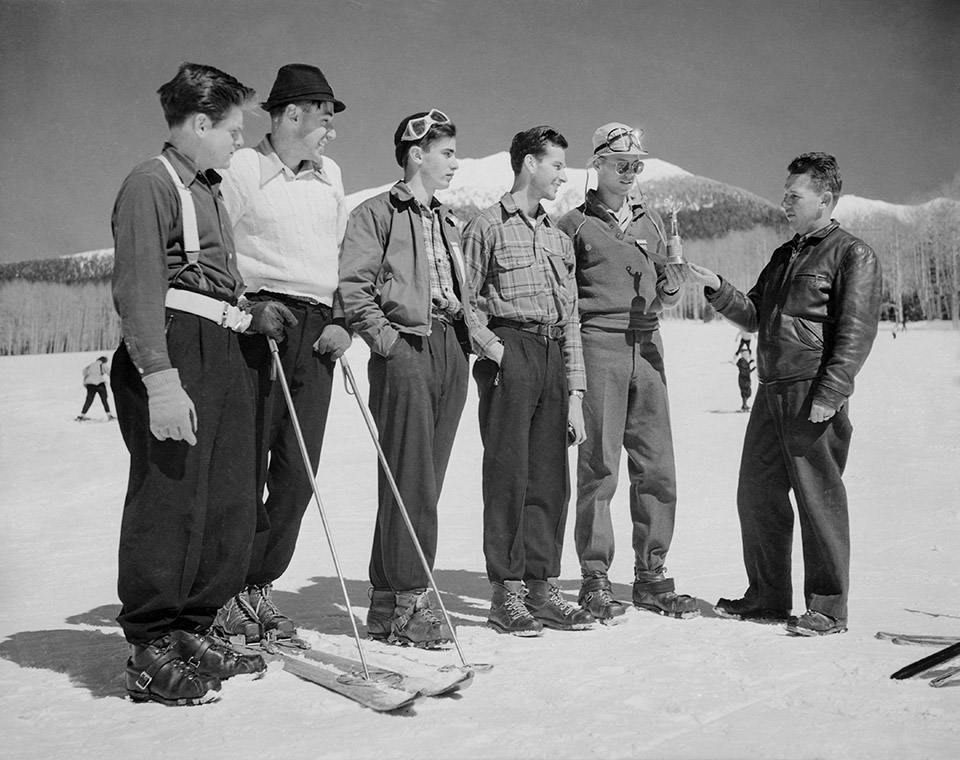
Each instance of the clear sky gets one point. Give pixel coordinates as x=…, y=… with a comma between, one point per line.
x=727, y=89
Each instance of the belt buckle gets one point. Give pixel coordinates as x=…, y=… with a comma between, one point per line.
x=224, y=314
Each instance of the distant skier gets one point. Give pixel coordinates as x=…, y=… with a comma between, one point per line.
x=95, y=377
x=816, y=306
x=744, y=368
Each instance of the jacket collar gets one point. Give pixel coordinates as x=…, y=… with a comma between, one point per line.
x=187, y=168
x=799, y=241
x=596, y=207
x=401, y=192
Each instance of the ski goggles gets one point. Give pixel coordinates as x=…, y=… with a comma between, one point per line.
x=621, y=140
x=417, y=128
x=622, y=166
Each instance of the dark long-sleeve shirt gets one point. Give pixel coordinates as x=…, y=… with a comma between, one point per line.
x=149, y=253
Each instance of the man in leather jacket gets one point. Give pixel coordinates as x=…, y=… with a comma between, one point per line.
x=816, y=308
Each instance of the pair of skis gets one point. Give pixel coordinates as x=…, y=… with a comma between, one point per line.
x=379, y=689
x=950, y=650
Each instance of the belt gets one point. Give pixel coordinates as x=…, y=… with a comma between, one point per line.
x=225, y=315
x=445, y=316
x=296, y=300
x=553, y=332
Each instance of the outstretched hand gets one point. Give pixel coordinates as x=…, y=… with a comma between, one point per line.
x=703, y=276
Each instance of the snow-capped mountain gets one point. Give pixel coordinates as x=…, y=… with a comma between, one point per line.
x=479, y=182
x=852, y=208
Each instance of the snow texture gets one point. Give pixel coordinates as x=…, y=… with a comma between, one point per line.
x=650, y=688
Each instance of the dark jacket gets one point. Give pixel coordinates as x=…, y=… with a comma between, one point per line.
x=385, y=276
x=816, y=306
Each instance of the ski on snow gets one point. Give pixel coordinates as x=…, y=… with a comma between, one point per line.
x=950, y=650
x=384, y=691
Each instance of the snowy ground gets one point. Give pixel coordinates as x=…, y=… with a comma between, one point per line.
x=652, y=687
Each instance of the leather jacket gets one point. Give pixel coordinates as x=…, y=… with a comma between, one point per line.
x=816, y=307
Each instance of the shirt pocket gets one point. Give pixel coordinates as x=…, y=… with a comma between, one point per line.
x=517, y=274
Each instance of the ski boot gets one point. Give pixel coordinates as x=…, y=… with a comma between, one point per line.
x=212, y=657
x=546, y=605
x=157, y=672
x=275, y=624
x=508, y=614
x=743, y=609
x=813, y=623
x=238, y=618
x=380, y=614
x=596, y=597
x=654, y=592
x=414, y=623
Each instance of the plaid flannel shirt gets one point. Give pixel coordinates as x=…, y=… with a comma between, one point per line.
x=442, y=293
x=524, y=270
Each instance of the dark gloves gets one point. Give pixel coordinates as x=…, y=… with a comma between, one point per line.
x=269, y=318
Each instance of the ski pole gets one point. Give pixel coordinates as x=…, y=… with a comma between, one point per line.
x=371, y=426
x=316, y=494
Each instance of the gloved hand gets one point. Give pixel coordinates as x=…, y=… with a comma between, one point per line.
x=269, y=318
x=334, y=340
x=172, y=414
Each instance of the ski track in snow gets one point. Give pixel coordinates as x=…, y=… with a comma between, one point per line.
x=650, y=687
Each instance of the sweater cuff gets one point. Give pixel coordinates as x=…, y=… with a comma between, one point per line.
x=158, y=382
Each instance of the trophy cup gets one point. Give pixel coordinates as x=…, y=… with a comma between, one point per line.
x=674, y=244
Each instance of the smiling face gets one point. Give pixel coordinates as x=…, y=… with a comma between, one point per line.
x=806, y=208
x=218, y=141
x=438, y=163
x=614, y=186
x=548, y=172
x=315, y=130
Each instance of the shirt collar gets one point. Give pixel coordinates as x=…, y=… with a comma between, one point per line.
x=187, y=167
x=401, y=191
x=509, y=204
x=597, y=207
x=271, y=165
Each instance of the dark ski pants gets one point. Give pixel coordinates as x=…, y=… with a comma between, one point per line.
x=784, y=451
x=189, y=512
x=417, y=395
x=626, y=408
x=280, y=466
x=92, y=392
x=526, y=481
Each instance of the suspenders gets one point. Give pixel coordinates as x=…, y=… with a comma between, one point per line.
x=191, y=236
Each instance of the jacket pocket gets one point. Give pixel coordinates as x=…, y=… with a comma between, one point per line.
x=809, y=333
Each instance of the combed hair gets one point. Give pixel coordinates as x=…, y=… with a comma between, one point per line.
x=823, y=170
x=533, y=142
x=435, y=133
x=201, y=89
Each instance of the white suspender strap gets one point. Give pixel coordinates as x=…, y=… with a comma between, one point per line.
x=191, y=236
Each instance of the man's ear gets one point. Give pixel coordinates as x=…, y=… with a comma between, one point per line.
x=200, y=123
x=416, y=154
x=530, y=162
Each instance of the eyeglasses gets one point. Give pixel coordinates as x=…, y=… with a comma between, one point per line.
x=622, y=140
x=417, y=128
x=622, y=166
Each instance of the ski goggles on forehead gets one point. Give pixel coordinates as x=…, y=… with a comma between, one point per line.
x=621, y=140
x=622, y=166
x=417, y=128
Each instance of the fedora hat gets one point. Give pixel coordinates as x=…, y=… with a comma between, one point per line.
x=300, y=81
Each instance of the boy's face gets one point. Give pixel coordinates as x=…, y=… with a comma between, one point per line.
x=549, y=172
x=218, y=142
x=439, y=163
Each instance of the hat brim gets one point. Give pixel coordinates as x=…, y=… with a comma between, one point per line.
x=338, y=106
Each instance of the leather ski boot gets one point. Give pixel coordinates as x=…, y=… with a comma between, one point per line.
x=211, y=657
x=157, y=672
x=546, y=604
x=275, y=623
x=654, y=592
x=596, y=597
x=416, y=624
x=238, y=618
x=380, y=614
x=508, y=614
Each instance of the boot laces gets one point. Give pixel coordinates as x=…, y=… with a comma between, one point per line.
x=423, y=608
x=604, y=596
x=566, y=608
x=265, y=602
x=245, y=610
x=515, y=606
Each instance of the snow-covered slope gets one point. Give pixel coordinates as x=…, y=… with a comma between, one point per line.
x=852, y=208
x=649, y=688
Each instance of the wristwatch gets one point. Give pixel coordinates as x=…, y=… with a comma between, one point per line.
x=578, y=394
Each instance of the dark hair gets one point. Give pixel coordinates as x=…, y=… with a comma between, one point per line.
x=533, y=142
x=101, y=358
x=201, y=89
x=823, y=170
x=435, y=133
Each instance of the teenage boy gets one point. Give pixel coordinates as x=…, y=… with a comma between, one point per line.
x=816, y=307
x=183, y=397
x=624, y=284
x=531, y=385
x=286, y=202
x=405, y=292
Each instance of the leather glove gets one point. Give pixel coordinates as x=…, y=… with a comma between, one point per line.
x=270, y=317
x=172, y=414
x=334, y=340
